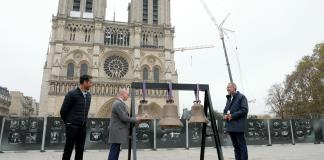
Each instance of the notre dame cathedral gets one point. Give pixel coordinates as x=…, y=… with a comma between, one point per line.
x=114, y=53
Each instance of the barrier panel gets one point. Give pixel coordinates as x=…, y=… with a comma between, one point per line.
x=194, y=135
x=303, y=130
x=224, y=136
x=1, y=119
x=171, y=138
x=280, y=131
x=22, y=134
x=27, y=133
x=145, y=135
x=97, y=134
x=55, y=133
x=1, y=131
x=257, y=132
x=322, y=128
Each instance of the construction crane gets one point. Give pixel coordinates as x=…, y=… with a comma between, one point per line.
x=222, y=32
x=193, y=48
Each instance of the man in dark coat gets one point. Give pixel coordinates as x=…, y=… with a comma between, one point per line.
x=74, y=113
x=235, y=114
x=119, y=125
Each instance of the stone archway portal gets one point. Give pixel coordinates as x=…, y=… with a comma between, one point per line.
x=105, y=110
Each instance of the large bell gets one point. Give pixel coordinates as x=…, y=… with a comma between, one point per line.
x=144, y=111
x=170, y=117
x=197, y=113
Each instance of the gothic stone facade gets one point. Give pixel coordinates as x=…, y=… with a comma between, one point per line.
x=114, y=53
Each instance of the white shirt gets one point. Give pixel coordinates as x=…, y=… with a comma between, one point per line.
x=84, y=94
x=120, y=99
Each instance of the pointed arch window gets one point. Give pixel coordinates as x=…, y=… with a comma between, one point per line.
x=155, y=12
x=156, y=74
x=88, y=6
x=76, y=5
x=83, y=69
x=145, y=73
x=70, y=71
x=72, y=33
x=116, y=36
x=156, y=41
x=145, y=11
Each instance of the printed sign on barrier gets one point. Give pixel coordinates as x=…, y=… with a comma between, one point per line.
x=171, y=138
x=257, y=132
x=22, y=134
x=280, y=131
x=195, y=135
x=97, y=133
x=303, y=130
x=145, y=135
x=55, y=133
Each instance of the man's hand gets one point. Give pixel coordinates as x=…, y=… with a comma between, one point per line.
x=229, y=117
x=138, y=121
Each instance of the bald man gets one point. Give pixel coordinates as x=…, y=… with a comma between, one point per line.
x=119, y=125
x=235, y=114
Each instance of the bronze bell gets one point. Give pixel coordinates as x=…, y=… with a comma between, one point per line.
x=170, y=117
x=197, y=113
x=144, y=111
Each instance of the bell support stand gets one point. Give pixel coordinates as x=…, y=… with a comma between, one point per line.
x=208, y=107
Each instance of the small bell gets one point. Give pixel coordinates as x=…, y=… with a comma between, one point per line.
x=197, y=113
x=144, y=111
x=170, y=117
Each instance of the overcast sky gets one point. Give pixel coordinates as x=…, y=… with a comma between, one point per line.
x=271, y=36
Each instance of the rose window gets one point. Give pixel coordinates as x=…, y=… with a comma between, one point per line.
x=116, y=66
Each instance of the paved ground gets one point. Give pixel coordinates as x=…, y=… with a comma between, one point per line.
x=275, y=152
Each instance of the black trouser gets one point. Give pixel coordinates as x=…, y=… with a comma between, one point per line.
x=239, y=145
x=114, y=151
x=74, y=136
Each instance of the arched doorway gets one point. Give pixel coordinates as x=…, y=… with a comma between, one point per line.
x=105, y=110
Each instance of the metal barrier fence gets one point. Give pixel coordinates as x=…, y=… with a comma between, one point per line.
x=48, y=133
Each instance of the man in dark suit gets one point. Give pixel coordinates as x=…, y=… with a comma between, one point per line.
x=74, y=113
x=235, y=114
x=119, y=125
